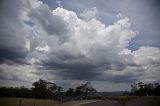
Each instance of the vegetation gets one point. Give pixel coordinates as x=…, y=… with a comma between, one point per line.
x=42, y=89
x=80, y=92
x=143, y=89
x=26, y=102
x=47, y=90
x=16, y=92
x=84, y=89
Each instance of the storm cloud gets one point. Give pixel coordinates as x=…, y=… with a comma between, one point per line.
x=12, y=32
x=60, y=44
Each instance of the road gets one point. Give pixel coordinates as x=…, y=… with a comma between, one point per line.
x=143, y=101
x=104, y=103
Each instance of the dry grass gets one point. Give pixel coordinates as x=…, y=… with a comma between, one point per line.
x=26, y=102
x=39, y=102
x=122, y=98
x=145, y=101
x=117, y=98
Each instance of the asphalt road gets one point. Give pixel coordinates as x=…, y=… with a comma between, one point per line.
x=103, y=103
x=143, y=101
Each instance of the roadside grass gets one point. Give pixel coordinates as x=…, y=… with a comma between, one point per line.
x=26, y=102
x=122, y=98
x=145, y=101
x=117, y=98
x=39, y=102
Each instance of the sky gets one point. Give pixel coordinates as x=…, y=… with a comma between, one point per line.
x=110, y=43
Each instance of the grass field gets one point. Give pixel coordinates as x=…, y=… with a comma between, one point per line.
x=26, y=102
x=38, y=102
x=122, y=98
x=122, y=101
x=117, y=98
x=145, y=101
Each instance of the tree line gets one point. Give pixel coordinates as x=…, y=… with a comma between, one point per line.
x=47, y=90
x=145, y=89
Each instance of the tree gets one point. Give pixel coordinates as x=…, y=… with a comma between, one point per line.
x=44, y=89
x=51, y=88
x=157, y=90
x=70, y=92
x=40, y=89
x=84, y=90
x=133, y=88
x=59, y=93
x=15, y=92
x=142, y=89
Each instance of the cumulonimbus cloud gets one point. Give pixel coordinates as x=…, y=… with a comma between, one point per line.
x=67, y=46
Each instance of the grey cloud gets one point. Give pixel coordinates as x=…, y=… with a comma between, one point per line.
x=52, y=24
x=12, y=41
x=84, y=69
x=13, y=55
x=74, y=71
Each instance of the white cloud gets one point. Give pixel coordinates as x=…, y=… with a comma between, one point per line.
x=18, y=72
x=94, y=39
x=35, y=3
x=89, y=14
x=44, y=49
x=28, y=45
x=92, y=43
x=147, y=55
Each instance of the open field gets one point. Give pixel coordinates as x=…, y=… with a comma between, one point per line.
x=109, y=101
x=144, y=101
x=117, y=98
x=39, y=102
x=26, y=102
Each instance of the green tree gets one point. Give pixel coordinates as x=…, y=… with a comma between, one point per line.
x=157, y=89
x=40, y=89
x=85, y=89
x=70, y=92
x=59, y=93
x=52, y=89
x=144, y=89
